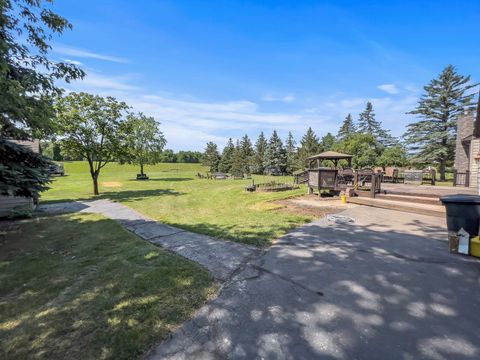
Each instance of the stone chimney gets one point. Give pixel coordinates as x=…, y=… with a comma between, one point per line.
x=462, y=149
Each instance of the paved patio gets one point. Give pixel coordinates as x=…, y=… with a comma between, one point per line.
x=384, y=287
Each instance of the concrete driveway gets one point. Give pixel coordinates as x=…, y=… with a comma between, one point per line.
x=384, y=287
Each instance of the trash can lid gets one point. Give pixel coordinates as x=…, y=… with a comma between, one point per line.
x=461, y=198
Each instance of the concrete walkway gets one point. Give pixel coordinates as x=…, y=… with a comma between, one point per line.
x=221, y=257
x=383, y=287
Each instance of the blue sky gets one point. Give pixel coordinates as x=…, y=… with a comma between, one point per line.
x=210, y=70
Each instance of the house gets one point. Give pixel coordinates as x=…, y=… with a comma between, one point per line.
x=467, y=149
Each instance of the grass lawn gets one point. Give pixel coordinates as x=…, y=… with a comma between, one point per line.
x=174, y=195
x=80, y=287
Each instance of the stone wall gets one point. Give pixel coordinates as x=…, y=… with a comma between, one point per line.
x=474, y=151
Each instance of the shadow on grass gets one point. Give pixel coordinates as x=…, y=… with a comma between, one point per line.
x=165, y=179
x=126, y=195
x=256, y=235
x=125, y=294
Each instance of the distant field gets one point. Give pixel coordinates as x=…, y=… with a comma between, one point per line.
x=174, y=195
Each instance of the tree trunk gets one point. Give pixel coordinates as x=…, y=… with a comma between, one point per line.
x=442, y=170
x=141, y=169
x=95, y=184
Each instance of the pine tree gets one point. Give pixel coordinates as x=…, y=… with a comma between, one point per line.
x=247, y=154
x=309, y=146
x=238, y=161
x=327, y=142
x=291, y=153
x=275, y=159
x=226, y=161
x=347, y=129
x=367, y=124
x=432, y=138
x=211, y=158
x=258, y=158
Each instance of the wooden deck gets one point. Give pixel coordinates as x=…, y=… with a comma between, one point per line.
x=425, y=190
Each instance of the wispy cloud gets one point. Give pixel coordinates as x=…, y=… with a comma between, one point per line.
x=82, y=53
x=189, y=122
x=286, y=98
x=391, y=89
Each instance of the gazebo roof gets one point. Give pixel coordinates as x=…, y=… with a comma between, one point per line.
x=330, y=155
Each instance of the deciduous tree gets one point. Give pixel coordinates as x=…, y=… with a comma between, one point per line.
x=89, y=126
x=143, y=139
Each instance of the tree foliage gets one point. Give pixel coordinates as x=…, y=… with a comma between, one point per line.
x=364, y=148
x=226, y=161
x=291, y=153
x=309, y=145
x=347, y=129
x=211, y=157
x=258, y=158
x=90, y=126
x=395, y=155
x=367, y=124
x=143, y=140
x=432, y=138
x=22, y=172
x=275, y=159
x=327, y=142
x=27, y=84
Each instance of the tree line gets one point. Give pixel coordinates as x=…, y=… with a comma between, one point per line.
x=428, y=141
x=365, y=139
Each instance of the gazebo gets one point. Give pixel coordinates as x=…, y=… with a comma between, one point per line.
x=333, y=156
x=327, y=178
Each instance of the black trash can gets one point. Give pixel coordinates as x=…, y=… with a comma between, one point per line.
x=463, y=211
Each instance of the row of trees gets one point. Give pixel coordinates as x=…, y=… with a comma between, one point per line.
x=428, y=141
x=369, y=143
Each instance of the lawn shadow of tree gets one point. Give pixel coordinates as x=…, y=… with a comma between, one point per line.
x=110, y=295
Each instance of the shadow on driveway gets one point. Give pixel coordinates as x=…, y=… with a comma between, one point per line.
x=385, y=287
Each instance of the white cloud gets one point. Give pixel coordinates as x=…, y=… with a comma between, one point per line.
x=189, y=122
x=97, y=83
x=286, y=99
x=389, y=88
x=81, y=53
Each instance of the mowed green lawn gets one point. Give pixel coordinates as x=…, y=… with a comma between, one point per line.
x=174, y=195
x=81, y=287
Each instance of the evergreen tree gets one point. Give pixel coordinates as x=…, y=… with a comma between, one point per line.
x=309, y=146
x=291, y=153
x=275, y=159
x=238, y=161
x=367, y=124
x=432, y=138
x=29, y=80
x=327, y=142
x=347, y=129
x=226, y=161
x=258, y=158
x=247, y=153
x=211, y=158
